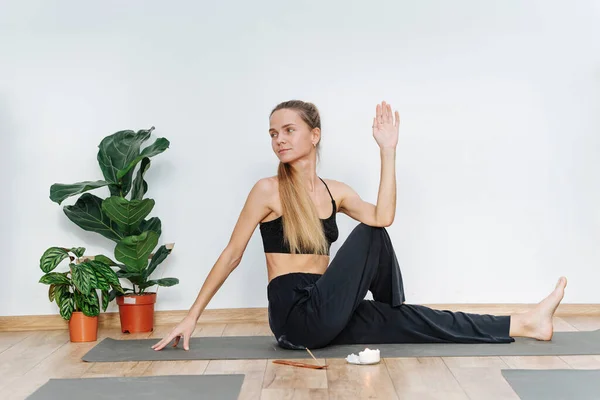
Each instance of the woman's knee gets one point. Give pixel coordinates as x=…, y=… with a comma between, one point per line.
x=364, y=228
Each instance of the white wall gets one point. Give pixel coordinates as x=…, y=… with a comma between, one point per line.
x=497, y=162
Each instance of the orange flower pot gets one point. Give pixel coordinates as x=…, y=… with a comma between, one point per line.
x=83, y=328
x=137, y=312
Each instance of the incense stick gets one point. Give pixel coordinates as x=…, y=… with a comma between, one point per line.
x=311, y=354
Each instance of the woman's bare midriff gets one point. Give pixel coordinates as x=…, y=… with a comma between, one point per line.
x=281, y=264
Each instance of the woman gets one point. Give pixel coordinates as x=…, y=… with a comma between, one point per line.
x=314, y=303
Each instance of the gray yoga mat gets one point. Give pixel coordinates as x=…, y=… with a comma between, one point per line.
x=217, y=387
x=265, y=347
x=554, y=384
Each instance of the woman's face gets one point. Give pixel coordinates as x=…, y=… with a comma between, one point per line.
x=291, y=137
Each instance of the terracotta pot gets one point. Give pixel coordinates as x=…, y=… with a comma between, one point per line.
x=83, y=328
x=137, y=312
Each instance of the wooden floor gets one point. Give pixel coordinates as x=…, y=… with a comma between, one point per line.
x=29, y=359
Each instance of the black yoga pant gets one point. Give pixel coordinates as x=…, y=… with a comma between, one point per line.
x=313, y=310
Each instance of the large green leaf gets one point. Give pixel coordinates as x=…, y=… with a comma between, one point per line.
x=105, y=260
x=160, y=282
x=112, y=295
x=140, y=186
x=105, y=299
x=157, y=258
x=105, y=273
x=101, y=281
x=152, y=224
x=125, y=213
x=115, y=153
x=52, y=257
x=136, y=278
x=78, y=251
x=78, y=298
x=160, y=145
x=60, y=191
x=91, y=304
x=59, y=292
x=167, y=282
x=51, y=292
x=54, y=278
x=56, y=291
x=133, y=251
x=88, y=304
x=67, y=304
x=84, y=278
x=87, y=214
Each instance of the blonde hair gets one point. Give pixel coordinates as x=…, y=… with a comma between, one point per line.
x=302, y=227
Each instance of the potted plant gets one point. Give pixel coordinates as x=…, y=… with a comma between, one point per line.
x=123, y=218
x=75, y=291
x=136, y=308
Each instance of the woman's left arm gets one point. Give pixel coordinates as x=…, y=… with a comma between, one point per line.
x=385, y=132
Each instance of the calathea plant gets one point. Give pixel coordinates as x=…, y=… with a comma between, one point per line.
x=76, y=289
x=118, y=218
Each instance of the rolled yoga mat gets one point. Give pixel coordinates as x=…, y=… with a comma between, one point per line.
x=217, y=387
x=265, y=347
x=554, y=384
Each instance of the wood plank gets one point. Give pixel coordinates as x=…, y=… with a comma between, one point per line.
x=254, y=371
x=9, y=339
x=560, y=325
x=26, y=354
x=278, y=376
x=348, y=381
x=535, y=362
x=127, y=368
x=294, y=394
x=63, y=363
x=260, y=315
x=493, y=362
x=481, y=377
x=423, y=378
x=582, y=362
x=583, y=322
x=186, y=367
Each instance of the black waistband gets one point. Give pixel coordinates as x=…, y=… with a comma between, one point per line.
x=293, y=280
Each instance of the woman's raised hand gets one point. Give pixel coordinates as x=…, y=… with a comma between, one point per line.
x=385, y=128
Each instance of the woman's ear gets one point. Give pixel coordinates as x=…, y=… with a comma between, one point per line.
x=316, y=136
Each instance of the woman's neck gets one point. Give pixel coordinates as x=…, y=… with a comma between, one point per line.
x=308, y=174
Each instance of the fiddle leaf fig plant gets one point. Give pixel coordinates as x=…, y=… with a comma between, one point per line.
x=76, y=288
x=122, y=220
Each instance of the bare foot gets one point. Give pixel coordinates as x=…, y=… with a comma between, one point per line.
x=538, y=322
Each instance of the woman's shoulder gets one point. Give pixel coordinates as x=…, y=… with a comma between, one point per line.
x=267, y=186
x=270, y=185
x=267, y=183
x=335, y=185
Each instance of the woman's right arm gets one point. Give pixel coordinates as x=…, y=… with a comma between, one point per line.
x=255, y=209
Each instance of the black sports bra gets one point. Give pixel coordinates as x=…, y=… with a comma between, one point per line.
x=272, y=231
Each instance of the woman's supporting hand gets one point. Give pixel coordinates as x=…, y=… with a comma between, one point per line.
x=385, y=128
x=183, y=330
